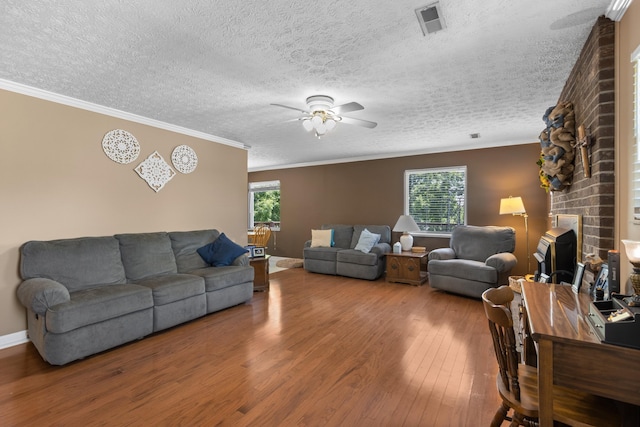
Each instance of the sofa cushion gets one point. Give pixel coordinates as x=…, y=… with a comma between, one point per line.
x=89, y=306
x=324, y=254
x=146, y=255
x=355, y=256
x=464, y=269
x=366, y=241
x=479, y=243
x=185, y=245
x=216, y=278
x=342, y=234
x=221, y=252
x=75, y=263
x=169, y=288
x=322, y=238
x=383, y=230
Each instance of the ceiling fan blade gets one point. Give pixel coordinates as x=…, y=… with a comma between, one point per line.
x=347, y=108
x=291, y=108
x=359, y=122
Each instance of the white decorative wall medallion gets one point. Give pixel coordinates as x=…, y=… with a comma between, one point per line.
x=155, y=171
x=184, y=159
x=120, y=146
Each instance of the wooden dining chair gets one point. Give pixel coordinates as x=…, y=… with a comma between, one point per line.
x=518, y=383
x=261, y=235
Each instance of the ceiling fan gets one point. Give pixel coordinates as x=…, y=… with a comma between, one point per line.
x=322, y=116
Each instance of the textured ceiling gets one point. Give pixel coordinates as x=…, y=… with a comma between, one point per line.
x=215, y=66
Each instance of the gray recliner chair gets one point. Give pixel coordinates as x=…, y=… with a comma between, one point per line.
x=478, y=258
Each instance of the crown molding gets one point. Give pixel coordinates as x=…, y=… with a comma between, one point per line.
x=616, y=9
x=96, y=108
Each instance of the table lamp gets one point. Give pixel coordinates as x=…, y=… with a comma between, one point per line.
x=514, y=206
x=405, y=225
x=632, y=248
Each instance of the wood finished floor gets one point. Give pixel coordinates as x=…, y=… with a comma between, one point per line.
x=315, y=350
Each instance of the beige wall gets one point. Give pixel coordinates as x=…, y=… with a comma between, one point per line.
x=627, y=40
x=372, y=192
x=56, y=182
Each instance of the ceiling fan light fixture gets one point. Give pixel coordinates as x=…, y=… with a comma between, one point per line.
x=321, y=115
x=316, y=120
x=307, y=125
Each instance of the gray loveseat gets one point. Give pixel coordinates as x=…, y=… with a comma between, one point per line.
x=478, y=258
x=342, y=259
x=89, y=294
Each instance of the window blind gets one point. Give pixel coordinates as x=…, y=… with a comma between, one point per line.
x=264, y=186
x=436, y=198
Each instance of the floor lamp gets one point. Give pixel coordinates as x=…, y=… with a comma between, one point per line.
x=514, y=206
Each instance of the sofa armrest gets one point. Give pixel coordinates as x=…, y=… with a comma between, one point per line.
x=40, y=294
x=381, y=249
x=502, y=262
x=307, y=244
x=442, y=254
x=242, y=260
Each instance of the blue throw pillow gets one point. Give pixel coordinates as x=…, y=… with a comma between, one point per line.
x=221, y=251
x=367, y=241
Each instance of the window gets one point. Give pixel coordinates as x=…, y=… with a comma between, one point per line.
x=635, y=59
x=436, y=198
x=264, y=204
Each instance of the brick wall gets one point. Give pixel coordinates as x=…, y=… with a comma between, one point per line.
x=590, y=87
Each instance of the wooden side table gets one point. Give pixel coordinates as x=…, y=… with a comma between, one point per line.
x=261, y=273
x=406, y=267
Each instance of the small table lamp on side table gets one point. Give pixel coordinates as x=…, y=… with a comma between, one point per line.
x=405, y=225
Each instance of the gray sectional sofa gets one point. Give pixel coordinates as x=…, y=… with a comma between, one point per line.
x=89, y=294
x=342, y=259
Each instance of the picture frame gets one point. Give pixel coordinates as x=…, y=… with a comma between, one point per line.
x=577, y=278
x=601, y=282
x=258, y=252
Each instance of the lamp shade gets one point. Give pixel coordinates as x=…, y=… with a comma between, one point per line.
x=307, y=125
x=632, y=248
x=406, y=224
x=512, y=205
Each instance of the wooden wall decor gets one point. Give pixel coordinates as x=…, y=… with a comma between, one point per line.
x=584, y=142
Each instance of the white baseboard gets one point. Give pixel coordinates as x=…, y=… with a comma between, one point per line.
x=13, y=339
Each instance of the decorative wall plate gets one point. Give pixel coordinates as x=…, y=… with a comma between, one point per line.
x=155, y=171
x=120, y=146
x=184, y=159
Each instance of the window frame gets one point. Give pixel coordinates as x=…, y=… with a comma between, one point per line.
x=635, y=60
x=407, y=201
x=261, y=186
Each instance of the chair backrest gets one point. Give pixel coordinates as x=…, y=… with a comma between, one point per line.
x=497, y=303
x=262, y=233
x=480, y=242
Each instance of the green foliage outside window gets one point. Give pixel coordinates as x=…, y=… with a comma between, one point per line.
x=437, y=198
x=266, y=206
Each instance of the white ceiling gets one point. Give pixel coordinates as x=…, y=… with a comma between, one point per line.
x=216, y=66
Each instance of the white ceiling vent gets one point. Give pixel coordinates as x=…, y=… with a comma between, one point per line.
x=430, y=18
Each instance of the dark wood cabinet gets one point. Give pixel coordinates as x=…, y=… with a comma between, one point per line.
x=261, y=273
x=406, y=267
